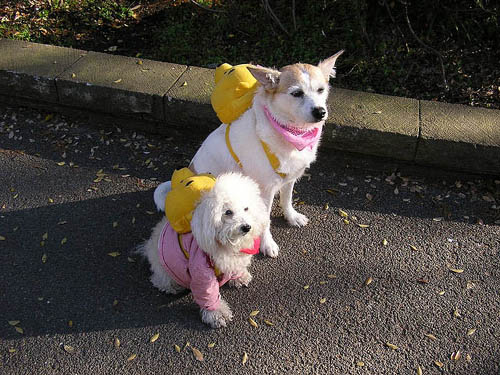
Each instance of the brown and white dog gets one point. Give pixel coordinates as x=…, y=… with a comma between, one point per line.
x=275, y=140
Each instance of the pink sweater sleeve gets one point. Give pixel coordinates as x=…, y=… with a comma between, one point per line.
x=204, y=285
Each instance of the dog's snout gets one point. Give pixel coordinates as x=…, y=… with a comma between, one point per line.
x=245, y=228
x=319, y=113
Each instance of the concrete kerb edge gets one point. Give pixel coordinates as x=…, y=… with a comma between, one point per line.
x=451, y=152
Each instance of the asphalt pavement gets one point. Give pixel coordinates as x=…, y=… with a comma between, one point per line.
x=396, y=273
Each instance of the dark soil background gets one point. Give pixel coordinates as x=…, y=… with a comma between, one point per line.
x=437, y=50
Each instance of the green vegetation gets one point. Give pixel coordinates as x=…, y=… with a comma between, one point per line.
x=437, y=50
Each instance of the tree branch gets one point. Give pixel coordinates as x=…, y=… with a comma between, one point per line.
x=443, y=72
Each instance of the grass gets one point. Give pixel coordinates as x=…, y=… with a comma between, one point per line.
x=382, y=53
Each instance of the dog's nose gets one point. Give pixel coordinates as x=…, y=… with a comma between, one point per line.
x=319, y=113
x=245, y=228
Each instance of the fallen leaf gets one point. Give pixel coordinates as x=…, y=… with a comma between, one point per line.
x=360, y=363
x=392, y=346
x=269, y=323
x=69, y=349
x=14, y=322
x=413, y=248
x=369, y=196
x=118, y=80
x=70, y=323
x=132, y=357
x=115, y=224
x=44, y=258
x=368, y=281
x=456, y=356
x=456, y=270
x=471, y=331
x=198, y=355
x=154, y=337
x=385, y=242
x=322, y=300
x=19, y=330
x=45, y=236
x=184, y=84
x=61, y=163
x=419, y=370
x=64, y=240
x=253, y=323
x=12, y=350
x=254, y=312
x=177, y=348
x=431, y=336
x=245, y=358
x=114, y=254
x=346, y=221
x=363, y=225
x=343, y=213
x=439, y=364
x=2, y=238
x=211, y=345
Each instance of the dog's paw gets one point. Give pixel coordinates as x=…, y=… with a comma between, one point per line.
x=217, y=318
x=269, y=247
x=243, y=280
x=296, y=219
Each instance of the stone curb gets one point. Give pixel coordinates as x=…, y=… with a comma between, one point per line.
x=166, y=97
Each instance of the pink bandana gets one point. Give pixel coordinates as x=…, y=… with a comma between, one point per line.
x=254, y=250
x=297, y=137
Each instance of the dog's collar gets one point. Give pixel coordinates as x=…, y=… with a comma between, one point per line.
x=294, y=135
x=254, y=250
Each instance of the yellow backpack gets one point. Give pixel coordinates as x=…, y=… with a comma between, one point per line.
x=234, y=91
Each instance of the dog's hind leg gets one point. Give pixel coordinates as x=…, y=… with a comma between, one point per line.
x=291, y=215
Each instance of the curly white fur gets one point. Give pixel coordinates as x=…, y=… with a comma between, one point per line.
x=216, y=225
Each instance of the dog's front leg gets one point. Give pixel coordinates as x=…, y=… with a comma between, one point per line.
x=291, y=215
x=268, y=246
x=217, y=318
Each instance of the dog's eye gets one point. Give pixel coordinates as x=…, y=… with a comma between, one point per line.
x=246, y=208
x=320, y=90
x=298, y=93
x=228, y=212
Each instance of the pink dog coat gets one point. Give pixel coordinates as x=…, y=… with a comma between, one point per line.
x=195, y=270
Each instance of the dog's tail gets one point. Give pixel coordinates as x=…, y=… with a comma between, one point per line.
x=160, y=194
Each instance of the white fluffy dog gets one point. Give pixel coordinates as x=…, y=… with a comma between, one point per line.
x=228, y=218
x=275, y=140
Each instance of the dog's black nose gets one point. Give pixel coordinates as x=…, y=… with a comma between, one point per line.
x=245, y=228
x=319, y=113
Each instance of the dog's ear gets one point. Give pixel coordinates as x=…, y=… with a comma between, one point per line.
x=268, y=78
x=328, y=66
x=206, y=219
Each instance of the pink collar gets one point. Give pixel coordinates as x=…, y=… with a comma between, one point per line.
x=297, y=137
x=254, y=250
